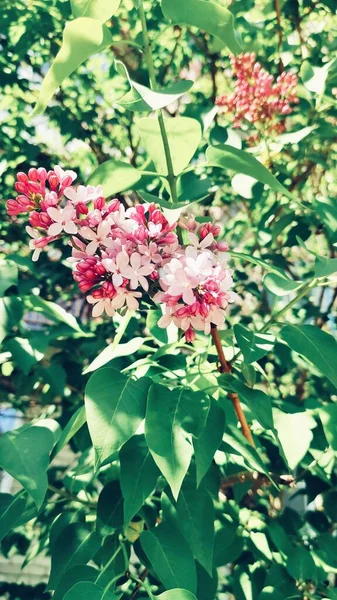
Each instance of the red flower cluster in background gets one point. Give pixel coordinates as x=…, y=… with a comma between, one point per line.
x=259, y=98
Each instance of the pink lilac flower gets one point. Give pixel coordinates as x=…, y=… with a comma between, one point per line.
x=196, y=290
x=83, y=194
x=100, y=237
x=119, y=256
x=63, y=220
x=258, y=98
x=37, y=243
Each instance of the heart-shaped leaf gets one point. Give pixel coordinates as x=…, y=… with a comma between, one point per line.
x=184, y=135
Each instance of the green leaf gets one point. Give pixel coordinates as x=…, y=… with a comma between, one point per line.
x=328, y=416
x=280, y=286
x=227, y=157
x=325, y=266
x=170, y=557
x=316, y=345
x=206, y=15
x=24, y=454
x=11, y=508
x=256, y=261
x=228, y=544
x=194, y=516
x=143, y=99
x=24, y=354
x=158, y=333
x=172, y=417
x=115, y=407
x=114, y=176
x=184, y=135
x=139, y=474
x=74, y=575
x=236, y=440
x=101, y=10
x=75, y=545
x=271, y=593
x=54, y=312
x=8, y=275
x=257, y=401
x=11, y=311
x=288, y=426
x=114, y=351
x=110, y=508
x=74, y=424
x=81, y=38
x=295, y=137
x=209, y=440
x=300, y=564
x=88, y=590
x=253, y=345
x=178, y=594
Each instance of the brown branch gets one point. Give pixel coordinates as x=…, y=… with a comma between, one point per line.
x=225, y=367
x=142, y=577
x=257, y=478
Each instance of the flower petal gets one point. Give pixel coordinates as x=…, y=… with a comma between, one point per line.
x=55, y=229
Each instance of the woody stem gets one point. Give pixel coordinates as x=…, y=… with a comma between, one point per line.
x=225, y=367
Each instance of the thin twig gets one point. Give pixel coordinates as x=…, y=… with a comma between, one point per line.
x=68, y=496
x=142, y=577
x=225, y=367
x=256, y=478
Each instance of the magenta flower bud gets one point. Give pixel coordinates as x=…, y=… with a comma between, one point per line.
x=33, y=187
x=22, y=177
x=189, y=335
x=21, y=187
x=42, y=173
x=82, y=208
x=222, y=246
x=99, y=204
x=53, y=182
x=100, y=269
x=33, y=174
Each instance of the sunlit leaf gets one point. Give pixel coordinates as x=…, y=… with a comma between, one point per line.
x=184, y=135
x=101, y=10
x=115, y=407
x=208, y=16
x=81, y=38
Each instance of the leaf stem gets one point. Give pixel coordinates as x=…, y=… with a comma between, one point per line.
x=171, y=178
x=226, y=368
x=302, y=292
x=115, y=554
x=144, y=585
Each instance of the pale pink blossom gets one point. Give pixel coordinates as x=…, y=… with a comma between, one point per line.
x=151, y=251
x=61, y=174
x=63, y=220
x=98, y=238
x=117, y=266
x=101, y=305
x=83, y=194
x=128, y=297
x=137, y=271
x=37, y=243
